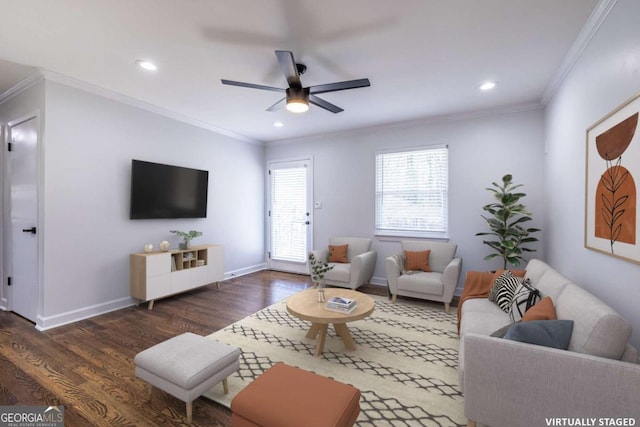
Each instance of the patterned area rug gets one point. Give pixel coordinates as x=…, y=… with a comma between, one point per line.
x=405, y=365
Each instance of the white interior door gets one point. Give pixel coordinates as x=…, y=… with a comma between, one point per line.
x=290, y=215
x=23, y=202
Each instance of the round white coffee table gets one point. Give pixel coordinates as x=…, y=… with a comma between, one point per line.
x=305, y=306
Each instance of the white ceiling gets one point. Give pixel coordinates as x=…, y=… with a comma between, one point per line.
x=424, y=58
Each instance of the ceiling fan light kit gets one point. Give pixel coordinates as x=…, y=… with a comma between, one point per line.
x=297, y=98
x=297, y=106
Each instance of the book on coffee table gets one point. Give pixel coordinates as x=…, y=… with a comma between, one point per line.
x=341, y=302
x=345, y=310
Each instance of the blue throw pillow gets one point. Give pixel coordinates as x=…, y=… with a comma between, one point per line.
x=549, y=333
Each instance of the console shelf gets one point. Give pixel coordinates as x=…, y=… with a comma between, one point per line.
x=157, y=275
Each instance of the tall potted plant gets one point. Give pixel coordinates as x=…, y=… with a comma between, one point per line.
x=506, y=219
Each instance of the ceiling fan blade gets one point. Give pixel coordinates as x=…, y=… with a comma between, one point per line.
x=324, y=104
x=278, y=105
x=251, y=85
x=332, y=87
x=288, y=66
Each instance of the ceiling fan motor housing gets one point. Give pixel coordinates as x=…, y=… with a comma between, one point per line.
x=298, y=93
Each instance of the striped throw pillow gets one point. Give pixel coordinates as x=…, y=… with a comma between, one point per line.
x=504, y=289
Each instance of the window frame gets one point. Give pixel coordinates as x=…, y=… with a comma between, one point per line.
x=400, y=233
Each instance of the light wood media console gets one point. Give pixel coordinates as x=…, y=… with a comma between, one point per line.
x=157, y=275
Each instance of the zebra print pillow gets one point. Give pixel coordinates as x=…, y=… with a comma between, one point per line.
x=498, y=283
x=504, y=289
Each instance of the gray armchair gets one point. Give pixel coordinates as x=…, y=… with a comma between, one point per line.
x=359, y=269
x=437, y=285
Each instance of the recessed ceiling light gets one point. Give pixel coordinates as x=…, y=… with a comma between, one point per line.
x=488, y=85
x=147, y=65
x=278, y=124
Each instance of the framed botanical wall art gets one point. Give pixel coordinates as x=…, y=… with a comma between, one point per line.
x=612, y=176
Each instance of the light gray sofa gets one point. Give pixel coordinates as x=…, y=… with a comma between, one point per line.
x=511, y=384
x=356, y=272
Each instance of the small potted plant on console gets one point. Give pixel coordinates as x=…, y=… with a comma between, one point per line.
x=187, y=237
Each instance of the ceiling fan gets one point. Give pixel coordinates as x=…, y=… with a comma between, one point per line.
x=297, y=98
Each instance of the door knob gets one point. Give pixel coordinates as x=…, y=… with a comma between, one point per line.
x=31, y=230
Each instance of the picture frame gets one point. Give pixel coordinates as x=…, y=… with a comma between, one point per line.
x=612, y=176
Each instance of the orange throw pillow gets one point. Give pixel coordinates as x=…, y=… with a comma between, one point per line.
x=418, y=260
x=544, y=310
x=338, y=253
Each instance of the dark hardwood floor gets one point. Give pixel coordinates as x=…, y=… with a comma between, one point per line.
x=88, y=366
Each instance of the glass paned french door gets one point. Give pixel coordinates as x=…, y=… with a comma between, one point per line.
x=289, y=215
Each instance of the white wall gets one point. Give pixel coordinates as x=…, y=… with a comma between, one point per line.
x=87, y=150
x=606, y=75
x=481, y=150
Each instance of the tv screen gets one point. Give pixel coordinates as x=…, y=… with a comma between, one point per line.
x=165, y=191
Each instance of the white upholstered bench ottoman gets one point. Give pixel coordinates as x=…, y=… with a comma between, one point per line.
x=186, y=366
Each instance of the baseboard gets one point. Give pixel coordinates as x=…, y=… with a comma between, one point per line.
x=244, y=271
x=43, y=323
x=49, y=322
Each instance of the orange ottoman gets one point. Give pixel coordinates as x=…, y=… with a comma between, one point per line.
x=285, y=396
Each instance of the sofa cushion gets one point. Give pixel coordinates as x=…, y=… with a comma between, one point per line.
x=598, y=330
x=543, y=310
x=417, y=260
x=481, y=316
x=548, y=333
x=430, y=283
x=338, y=253
x=544, y=278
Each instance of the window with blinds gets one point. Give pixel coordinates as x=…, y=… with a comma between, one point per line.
x=411, y=192
x=288, y=213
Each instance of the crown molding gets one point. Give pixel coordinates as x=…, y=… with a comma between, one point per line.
x=423, y=121
x=110, y=94
x=48, y=75
x=583, y=39
x=32, y=79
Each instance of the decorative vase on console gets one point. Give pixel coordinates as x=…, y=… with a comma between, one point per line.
x=318, y=268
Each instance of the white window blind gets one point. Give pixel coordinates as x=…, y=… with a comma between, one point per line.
x=288, y=214
x=411, y=192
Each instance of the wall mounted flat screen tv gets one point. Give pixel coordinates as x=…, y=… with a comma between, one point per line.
x=166, y=191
